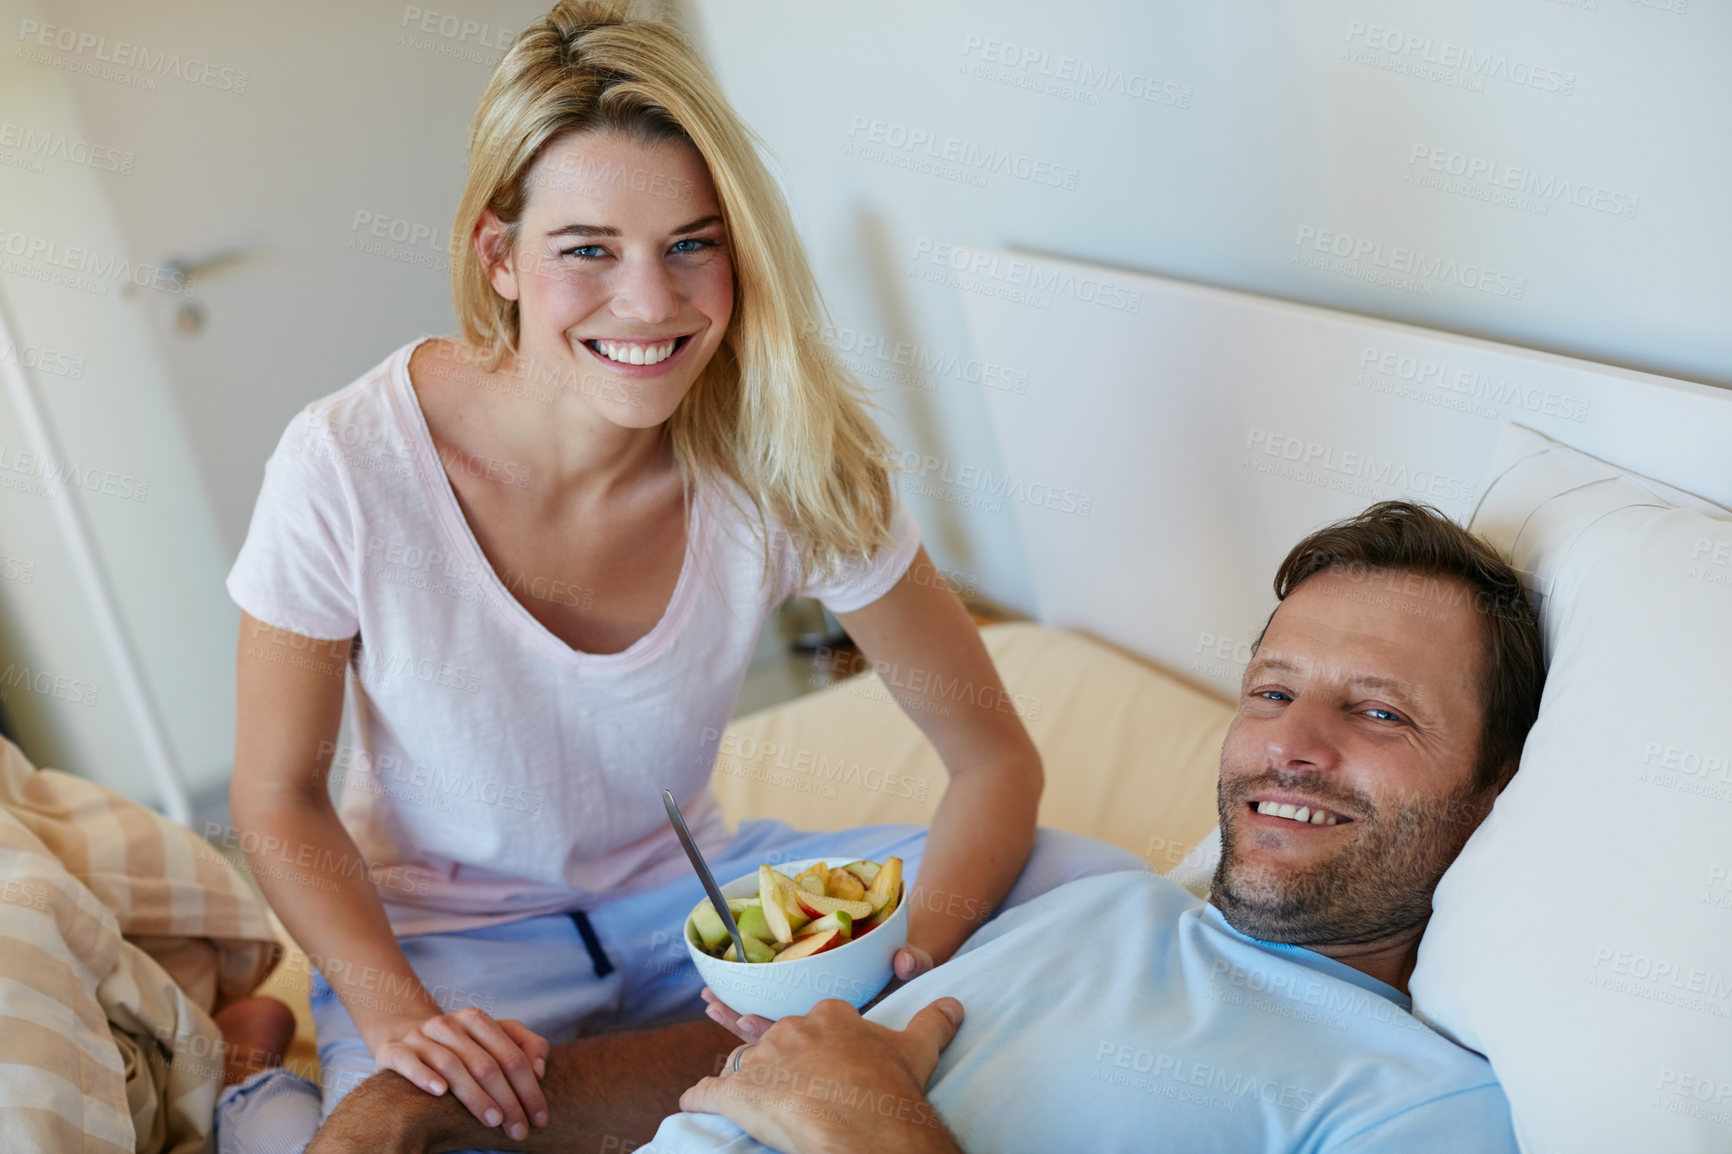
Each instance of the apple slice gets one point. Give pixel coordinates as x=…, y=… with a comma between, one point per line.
x=707, y=924
x=878, y=918
x=756, y=951
x=864, y=870
x=886, y=883
x=882, y=916
x=770, y=899
x=840, y=920
x=787, y=897
x=754, y=923
x=812, y=880
x=790, y=897
x=842, y=884
x=817, y=906
x=810, y=944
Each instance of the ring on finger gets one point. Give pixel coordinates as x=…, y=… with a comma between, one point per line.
x=741, y=1053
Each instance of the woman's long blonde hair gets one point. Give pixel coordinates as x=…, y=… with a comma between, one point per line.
x=775, y=410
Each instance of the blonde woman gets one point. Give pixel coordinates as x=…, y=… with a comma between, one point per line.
x=538, y=555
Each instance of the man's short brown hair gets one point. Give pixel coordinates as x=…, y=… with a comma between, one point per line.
x=1394, y=538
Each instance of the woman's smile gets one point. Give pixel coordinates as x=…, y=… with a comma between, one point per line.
x=649, y=356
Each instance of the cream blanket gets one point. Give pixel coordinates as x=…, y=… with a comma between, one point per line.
x=120, y=934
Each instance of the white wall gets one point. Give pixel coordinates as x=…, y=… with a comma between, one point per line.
x=1216, y=137
x=264, y=128
x=89, y=351
x=1220, y=142
x=352, y=118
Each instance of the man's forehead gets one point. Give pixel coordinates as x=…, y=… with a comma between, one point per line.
x=1389, y=635
x=1359, y=670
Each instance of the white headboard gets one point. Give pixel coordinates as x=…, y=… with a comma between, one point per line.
x=1175, y=441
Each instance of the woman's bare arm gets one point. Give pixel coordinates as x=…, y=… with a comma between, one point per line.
x=929, y=653
x=289, y=691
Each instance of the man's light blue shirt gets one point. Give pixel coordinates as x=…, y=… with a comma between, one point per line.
x=1121, y=1013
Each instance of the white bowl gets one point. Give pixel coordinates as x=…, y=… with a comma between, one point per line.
x=854, y=972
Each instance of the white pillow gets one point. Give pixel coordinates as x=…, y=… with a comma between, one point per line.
x=1196, y=872
x=1583, y=940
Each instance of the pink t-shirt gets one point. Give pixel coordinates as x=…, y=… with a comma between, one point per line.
x=494, y=771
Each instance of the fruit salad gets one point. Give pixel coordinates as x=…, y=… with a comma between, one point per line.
x=795, y=917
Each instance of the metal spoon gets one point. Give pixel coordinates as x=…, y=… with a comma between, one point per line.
x=704, y=874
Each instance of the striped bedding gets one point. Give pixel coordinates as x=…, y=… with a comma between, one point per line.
x=120, y=934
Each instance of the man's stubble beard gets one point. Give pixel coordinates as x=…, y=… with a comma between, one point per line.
x=1376, y=886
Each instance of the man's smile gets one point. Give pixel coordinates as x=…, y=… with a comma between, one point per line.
x=1296, y=811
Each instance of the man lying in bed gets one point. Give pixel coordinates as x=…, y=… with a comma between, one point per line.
x=1383, y=710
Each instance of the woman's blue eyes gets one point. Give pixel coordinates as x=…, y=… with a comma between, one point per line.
x=685, y=247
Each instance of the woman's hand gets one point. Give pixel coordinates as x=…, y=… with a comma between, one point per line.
x=910, y=962
x=492, y=1067
x=746, y=1027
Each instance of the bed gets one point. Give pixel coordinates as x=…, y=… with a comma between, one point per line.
x=1151, y=570
x=122, y=933
x=1583, y=940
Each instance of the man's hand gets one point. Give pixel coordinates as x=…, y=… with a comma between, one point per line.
x=832, y=1081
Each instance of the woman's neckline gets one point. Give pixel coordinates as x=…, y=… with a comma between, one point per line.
x=436, y=485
